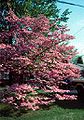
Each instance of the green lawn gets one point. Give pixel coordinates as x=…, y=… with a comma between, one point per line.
x=62, y=110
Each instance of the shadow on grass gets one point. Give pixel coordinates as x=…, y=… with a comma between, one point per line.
x=71, y=104
x=8, y=111
x=66, y=104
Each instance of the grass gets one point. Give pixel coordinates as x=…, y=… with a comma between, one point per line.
x=62, y=110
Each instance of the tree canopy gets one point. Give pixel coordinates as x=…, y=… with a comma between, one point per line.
x=28, y=49
x=35, y=53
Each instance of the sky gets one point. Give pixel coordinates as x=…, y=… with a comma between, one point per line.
x=75, y=23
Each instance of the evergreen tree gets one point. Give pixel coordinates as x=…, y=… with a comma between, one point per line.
x=34, y=7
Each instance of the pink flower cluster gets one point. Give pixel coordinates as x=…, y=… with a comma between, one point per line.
x=18, y=96
x=25, y=97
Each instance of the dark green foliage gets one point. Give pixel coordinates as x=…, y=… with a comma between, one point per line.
x=64, y=16
x=34, y=8
x=79, y=61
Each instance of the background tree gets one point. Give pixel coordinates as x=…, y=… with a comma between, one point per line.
x=35, y=7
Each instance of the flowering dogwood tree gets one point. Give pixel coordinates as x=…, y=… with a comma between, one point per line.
x=28, y=49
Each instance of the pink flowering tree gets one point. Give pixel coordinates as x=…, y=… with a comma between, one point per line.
x=37, y=59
